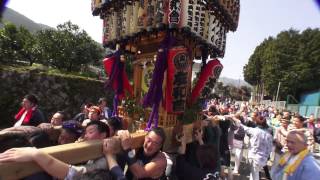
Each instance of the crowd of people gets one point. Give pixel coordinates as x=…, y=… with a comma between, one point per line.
x=271, y=135
x=267, y=134
x=92, y=123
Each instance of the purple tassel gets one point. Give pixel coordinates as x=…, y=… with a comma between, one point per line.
x=115, y=70
x=153, y=116
x=148, y=128
x=115, y=106
x=156, y=115
x=154, y=95
x=116, y=75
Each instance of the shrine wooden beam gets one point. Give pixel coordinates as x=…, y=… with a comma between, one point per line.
x=53, y=133
x=75, y=153
x=70, y=153
x=140, y=58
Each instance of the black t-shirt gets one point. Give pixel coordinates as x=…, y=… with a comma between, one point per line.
x=143, y=160
x=224, y=126
x=190, y=155
x=185, y=170
x=224, y=143
x=36, y=118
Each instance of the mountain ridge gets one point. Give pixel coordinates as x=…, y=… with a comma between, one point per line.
x=18, y=19
x=234, y=82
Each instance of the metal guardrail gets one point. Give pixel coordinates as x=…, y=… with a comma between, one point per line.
x=305, y=110
x=277, y=104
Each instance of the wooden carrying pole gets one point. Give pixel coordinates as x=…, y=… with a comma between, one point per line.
x=73, y=153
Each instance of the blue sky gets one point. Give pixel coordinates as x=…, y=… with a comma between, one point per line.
x=259, y=19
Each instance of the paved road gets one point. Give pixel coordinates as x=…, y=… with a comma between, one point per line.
x=244, y=172
x=244, y=169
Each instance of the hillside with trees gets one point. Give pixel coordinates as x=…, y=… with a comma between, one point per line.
x=52, y=64
x=237, y=93
x=292, y=58
x=67, y=48
x=14, y=17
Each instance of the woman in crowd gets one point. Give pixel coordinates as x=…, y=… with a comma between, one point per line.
x=29, y=114
x=279, y=142
x=260, y=145
x=238, y=139
x=80, y=117
x=114, y=124
x=94, y=115
x=105, y=111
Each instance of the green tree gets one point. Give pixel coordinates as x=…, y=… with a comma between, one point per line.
x=240, y=94
x=292, y=58
x=9, y=44
x=18, y=44
x=245, y=93
x=30, y=50
x=252, y=70
x=68, y=48
x=309, y=56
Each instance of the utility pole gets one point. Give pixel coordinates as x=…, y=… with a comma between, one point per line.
x=262, y=93
x=278, y=91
